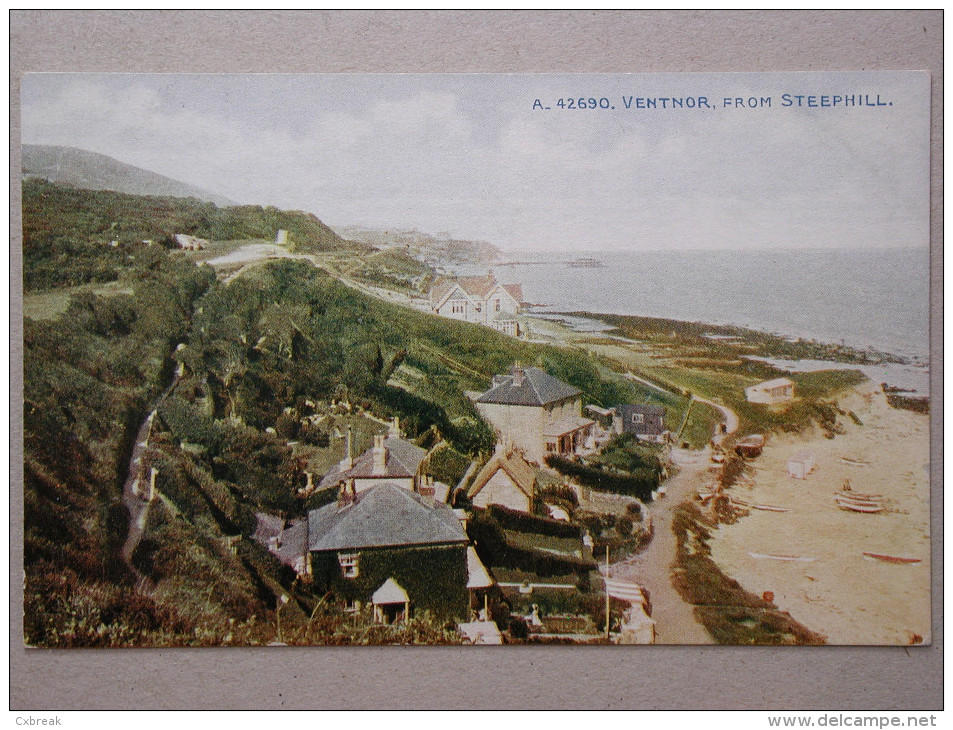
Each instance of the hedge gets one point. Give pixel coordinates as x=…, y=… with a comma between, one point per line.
x=640, y=483
x=523, y=522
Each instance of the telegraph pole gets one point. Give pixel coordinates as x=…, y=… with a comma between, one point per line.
x=607, y=591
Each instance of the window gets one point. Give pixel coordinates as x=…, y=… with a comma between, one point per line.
x=496, y=305
x=638, y=418
x=457, y=307
x=479, y=307
x=348, y=563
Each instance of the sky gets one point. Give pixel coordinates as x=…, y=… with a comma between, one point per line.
x=475, y=155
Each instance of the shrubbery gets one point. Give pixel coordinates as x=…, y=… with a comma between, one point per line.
x=639, y=484
x=487, y=535
x=511, y=519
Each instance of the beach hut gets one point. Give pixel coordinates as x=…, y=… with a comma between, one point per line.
x=800, y=465
x=779, y=390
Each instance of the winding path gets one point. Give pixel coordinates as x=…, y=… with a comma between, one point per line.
x=652, y=568
x=134, y=497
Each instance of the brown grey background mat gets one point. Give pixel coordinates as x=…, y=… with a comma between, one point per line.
x=441, y=677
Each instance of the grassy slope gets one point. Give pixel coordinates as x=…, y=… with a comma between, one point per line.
x=691, y=363
x=67, y=231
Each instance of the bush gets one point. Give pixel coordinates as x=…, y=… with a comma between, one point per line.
x=638, y=484
x=488, y=537
x=511, y=519
x=447, y=465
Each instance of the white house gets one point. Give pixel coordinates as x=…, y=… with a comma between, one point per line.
x=779, y=390
x=479, y=299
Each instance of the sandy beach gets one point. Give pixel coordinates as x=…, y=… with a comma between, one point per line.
x=834, y=589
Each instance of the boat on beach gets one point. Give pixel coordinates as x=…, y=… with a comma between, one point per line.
x=769, y=508
x=750, y=446
x=859, y=506
x=891, y=558
x=788, y=558
x=859, y=496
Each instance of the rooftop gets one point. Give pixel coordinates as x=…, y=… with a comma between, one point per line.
x=776, y=383
x=402, y=460
x=527, y=387
x=513, y=464
x=476, y=287
x=383, y=516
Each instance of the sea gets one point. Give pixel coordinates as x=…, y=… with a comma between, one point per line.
x=864, y=298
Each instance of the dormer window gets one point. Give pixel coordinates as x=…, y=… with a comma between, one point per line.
x=638, y=418
x=349, y=563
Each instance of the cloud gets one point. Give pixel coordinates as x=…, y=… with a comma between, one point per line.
x=468, y=154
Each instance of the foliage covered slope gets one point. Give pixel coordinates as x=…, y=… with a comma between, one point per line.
x=255, y=351
x=67, y=232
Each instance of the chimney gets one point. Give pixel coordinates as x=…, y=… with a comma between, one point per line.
x=518, y=375
x=427, y=490
x=349, y=451
x=346, y=493
x=393, y=431
x=379, y=455
x=310, y=485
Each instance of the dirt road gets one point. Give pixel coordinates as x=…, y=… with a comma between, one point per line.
x=652, y=568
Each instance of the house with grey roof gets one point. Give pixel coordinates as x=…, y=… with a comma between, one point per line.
x=392, y=460
x=647, y=422
x=538, y=413
x=393, y=548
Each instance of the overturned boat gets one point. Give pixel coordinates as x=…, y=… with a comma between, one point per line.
x=750, y=446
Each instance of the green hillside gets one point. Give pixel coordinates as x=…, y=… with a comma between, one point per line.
x=259, y=355
x=68, y=232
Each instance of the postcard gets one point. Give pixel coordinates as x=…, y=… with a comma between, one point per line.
x=364, y=359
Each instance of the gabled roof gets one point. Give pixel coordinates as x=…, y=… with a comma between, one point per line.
x=390, y=592
x=383, y=516
x=402, y=461
x=440, y=290
x=293, y=543
x=513, y=465
x=475, y=288
x=477, y=574
x=515, y=291
x=527, y=387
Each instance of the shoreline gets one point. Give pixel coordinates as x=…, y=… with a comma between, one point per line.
x=910, y=375
x=832, y=587
x=729, y=333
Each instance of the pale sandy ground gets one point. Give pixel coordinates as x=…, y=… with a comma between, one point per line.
x=841, y=594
